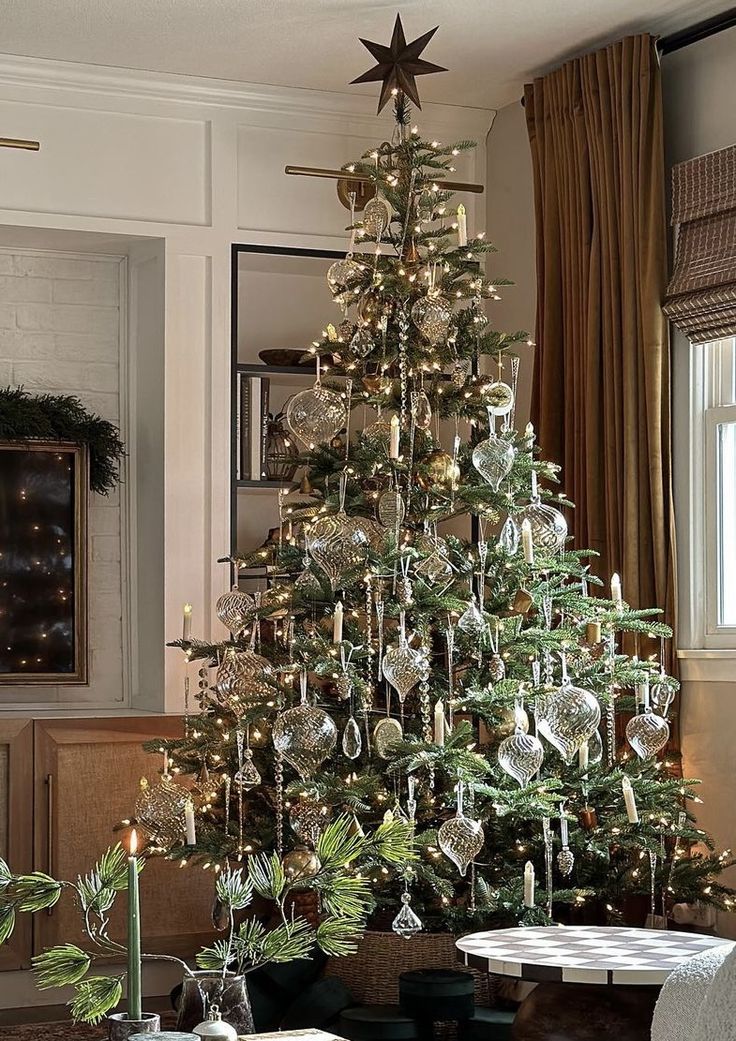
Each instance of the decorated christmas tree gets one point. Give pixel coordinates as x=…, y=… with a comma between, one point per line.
x=427, y=644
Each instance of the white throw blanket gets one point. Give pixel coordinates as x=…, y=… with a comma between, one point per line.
x=698, y=999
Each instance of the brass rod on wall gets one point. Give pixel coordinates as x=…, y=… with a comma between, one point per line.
x=346, y=175
x=19, y=142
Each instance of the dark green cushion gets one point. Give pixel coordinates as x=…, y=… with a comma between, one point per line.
x=376, y=1023
x=488, y=1024
x=266, y=1002
x=437, y=994
x=294, y=976
x=318, y=1005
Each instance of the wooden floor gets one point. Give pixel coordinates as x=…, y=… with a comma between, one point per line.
x=59, y=1014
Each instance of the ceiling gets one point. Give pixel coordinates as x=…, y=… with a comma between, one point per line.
x=490, y=46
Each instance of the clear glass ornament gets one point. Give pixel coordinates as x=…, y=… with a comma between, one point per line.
x=361, y=343
x=352, y=742
x=316, y=415
x=432, y=317
x=307, y=586
x=343, y=276
x=565, y=861
x=247, y=775
x=376, y=216
x=493, y=459
x=461, y=838
x=520, y=756
x=548, y=526
x=159, y=809
x=500, y=398
x=307, y=818
x=407, y=923
x=567, y=717
x=421, y=410
x=647, y=734
x=404, y=666
x=391, y=509
x=379, y=432
x=242, y=679
x=662, y=694
x=338, y=545
x=460, y=370
x=435, y=567
x=387, y=733
x=510, y=536
x=471, y=621
x=235, y=609
x=305, y=736
x=595, y=748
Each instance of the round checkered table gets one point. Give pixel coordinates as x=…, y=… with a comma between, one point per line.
x=628, y=966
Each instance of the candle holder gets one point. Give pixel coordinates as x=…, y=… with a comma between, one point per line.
x=120, y=1028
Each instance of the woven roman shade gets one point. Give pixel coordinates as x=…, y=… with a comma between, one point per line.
x=701, y=296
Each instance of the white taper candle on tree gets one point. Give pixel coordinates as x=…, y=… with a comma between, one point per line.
x=462, y=226
x=526, y=541
x=439, y=723
x=337, y=620
x=528, y=884
x=394, y=442
x=631, y=811
x=190, y=827
x=186, y=631
x=616, y=594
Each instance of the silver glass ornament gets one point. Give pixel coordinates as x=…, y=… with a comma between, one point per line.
x=520, y=756
x=361, y=343
x=461, y=839
x=407, y=923
x=308, y=818
x=391, y=509
x=352, y=742
x=647, y=734
x=567, y=717
x=376, y=216
x=343, y=276
x=316, y=415
x=471, y=621
x=499, y=397
x=432, y=317
x=338, y=545
x=305, y=736
x=548, y=526
x=565, y=861
x=235, y=609
x=387, y=733
x=404, y=667
x=421, y=410
x=493, y=459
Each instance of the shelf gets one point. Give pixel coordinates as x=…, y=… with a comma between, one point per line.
x=257, y=369
x=265, y=485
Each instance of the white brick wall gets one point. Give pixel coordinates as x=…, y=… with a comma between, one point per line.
x=59, y=332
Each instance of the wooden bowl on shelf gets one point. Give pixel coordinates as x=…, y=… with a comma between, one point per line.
x=287, y=357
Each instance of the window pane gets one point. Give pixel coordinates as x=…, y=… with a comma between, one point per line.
x=726, y=434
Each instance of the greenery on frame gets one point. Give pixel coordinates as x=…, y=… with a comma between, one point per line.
x=343, y=890
x=62, y=417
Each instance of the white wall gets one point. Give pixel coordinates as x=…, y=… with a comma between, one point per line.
x=700, y=116
x=60, y=333
x=188, y=166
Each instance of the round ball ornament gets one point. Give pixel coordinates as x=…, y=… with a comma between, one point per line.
x=647, y=734
x=520, y=756
x=235, y=609
x=499, y=397
x=242, y=679
x=512, y=719
x=316, y=415
x=567, y=717
x=461, y=839
x=493, y=459
x=214, y=1028
x=342, y=277
x=300, y=865
x=548, y=526
x=440, y=470
x=432, y=317
x=305, y=736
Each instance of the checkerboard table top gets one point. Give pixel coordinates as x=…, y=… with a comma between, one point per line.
x=583, y=954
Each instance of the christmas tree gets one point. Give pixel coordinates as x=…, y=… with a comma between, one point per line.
x=427, y=645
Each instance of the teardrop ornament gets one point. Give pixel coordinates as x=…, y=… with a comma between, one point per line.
x=352, y=742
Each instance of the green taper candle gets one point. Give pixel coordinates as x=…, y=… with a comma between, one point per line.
x=134, y=933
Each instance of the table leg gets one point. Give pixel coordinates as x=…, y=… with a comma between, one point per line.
x=585, y=1012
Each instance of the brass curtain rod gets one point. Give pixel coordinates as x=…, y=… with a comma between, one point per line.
x=346, y=175
x=18, y=142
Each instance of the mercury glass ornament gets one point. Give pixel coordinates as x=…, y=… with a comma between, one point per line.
x=565, y=861
x=387, y=733
x=352, y=742
x=441, y=472
x=391, y=509
x=471, y=621
x=300, y=865
x=316, y=415
x=305, y=736
x=235, y=609
x=361, y=343
x=307, y=818
x=407, y=923
x=500, y=398
x=404, y=667
x=159, y=808
x=647, y=734
x=421, y=410
x=512, y=719
x=461, y=839
x=376, y=216
x=338, y=545
x=432, y=317
x=567, y=717
x=520, y=755
x=493, y=459
x=496, y=668
x=548, y=526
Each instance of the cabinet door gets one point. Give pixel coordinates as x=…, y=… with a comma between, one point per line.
x=86, y=780
x=16, y=825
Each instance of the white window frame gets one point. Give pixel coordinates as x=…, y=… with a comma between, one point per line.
x=705, y=393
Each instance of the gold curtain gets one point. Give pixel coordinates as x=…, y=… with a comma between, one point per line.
x=601, y=401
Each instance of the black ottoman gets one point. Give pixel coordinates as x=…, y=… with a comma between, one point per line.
x=376, y=1023
x=488, y=1024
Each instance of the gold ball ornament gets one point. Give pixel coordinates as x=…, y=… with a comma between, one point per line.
x=512, y=718
x=439, y=470
x=300, y=865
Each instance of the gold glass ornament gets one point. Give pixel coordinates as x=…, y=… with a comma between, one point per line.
x=432, y=317
x=439, y=470
x=300, y=865
x=159, y=809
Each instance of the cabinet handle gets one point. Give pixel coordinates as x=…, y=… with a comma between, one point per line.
x=49, y=830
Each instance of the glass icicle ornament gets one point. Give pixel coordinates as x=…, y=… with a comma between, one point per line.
x=565, y=858
x=235, y=609
x=548, y=526
x=520, y=756
x=316, y=415
x=304, y=735
x=461, y=838
x=568, y=716
x=407, y=922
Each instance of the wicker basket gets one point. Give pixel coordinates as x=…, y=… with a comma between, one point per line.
x=372, y=973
